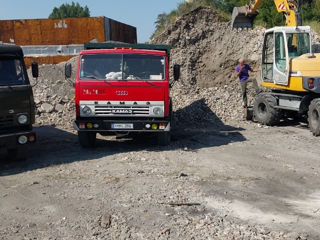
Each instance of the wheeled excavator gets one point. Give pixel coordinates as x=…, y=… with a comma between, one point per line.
x=288, y=68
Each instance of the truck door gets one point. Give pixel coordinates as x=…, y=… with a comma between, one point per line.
x=281, y=60
x=267, y=57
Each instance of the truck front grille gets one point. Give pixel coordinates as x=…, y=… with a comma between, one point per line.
x=6, y=121
x=108, y=110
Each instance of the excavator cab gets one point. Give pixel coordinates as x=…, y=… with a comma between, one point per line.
x=242, y=18
x=282, y=45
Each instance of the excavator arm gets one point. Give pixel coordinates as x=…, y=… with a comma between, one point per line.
x=243, y=17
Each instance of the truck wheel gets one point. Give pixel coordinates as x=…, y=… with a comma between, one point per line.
x=87, y=139
x=164, y=138
x=264, y=110
x=313, y=116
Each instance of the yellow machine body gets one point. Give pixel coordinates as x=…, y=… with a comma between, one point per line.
x=302, y=66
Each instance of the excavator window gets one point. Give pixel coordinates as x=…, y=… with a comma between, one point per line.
x=298, y=44
x=267, y=64
x=280, y=52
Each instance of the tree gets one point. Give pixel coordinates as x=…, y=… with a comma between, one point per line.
x=316, y=10
x=268, y=15
x=70, y=10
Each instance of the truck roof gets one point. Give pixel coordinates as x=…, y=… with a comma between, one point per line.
x=10, y=49
x=123, y=51
x=113, y=45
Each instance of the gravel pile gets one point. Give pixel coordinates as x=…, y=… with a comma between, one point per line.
x=208, y=50
x=54, y=95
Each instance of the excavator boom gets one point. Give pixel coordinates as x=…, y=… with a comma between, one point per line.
x=243, y=17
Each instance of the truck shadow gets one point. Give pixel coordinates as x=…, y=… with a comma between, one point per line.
x=196, y=127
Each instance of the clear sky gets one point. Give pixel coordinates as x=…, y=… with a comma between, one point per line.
x=139, y=13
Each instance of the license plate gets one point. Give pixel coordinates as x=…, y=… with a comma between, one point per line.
x=122, y=126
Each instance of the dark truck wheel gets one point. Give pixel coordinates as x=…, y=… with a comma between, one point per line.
x=87, y=139
x=313, y=116
x=264, y=110
x=164, y=138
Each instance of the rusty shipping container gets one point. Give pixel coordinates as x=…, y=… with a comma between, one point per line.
x=65, y=31
x=50, y=41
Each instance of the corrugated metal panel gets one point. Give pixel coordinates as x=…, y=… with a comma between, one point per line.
x=51, y=40
x=47, y=59
x=107, y=28
x=52, y=31
x=37, y=50
x=65, y=31
x=122, y=32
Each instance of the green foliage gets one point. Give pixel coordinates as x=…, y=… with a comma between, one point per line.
x=70, y=10
x=268, y=15
x=316, y=10
x=164, y=19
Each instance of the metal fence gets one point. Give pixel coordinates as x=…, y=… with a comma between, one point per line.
x=52, y=50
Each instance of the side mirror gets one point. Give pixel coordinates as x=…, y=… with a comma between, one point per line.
x=68, y=70
x=176, y=72
x=35, y=69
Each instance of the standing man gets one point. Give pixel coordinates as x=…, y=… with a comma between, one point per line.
x=242, y=71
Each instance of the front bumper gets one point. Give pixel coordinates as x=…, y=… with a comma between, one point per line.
x=129, y=125
x=10, y=140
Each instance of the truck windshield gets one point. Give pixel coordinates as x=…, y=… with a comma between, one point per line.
x=122, y=67
x=11, y=72
x=298, y=44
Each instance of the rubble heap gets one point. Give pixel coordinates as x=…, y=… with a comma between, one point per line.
x=54, y=95
x=208, y=50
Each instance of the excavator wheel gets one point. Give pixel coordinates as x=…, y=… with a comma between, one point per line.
x=264, y=110
x=313, y=116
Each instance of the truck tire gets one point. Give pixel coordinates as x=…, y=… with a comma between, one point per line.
x=264, y=110
x=313, y=116
x=87, y=139
x=164, y=138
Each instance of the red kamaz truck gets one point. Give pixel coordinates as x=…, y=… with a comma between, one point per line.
x=123, y=88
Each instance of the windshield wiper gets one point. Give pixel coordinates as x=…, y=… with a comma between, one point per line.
x=91, y=76
x=148, y=81
x=106, y=81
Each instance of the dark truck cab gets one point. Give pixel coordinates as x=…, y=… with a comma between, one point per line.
x=17, y=109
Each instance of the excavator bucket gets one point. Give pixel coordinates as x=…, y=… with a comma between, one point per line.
x=241, y=18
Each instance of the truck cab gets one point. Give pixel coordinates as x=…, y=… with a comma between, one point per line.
x=122, y=88
x=17, y=111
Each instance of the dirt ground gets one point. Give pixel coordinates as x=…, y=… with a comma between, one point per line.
x=241, y=181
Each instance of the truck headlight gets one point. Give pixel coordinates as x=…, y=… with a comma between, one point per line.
x=23, y=139
x=158, y=111
x=86, y=110
x=22, y=119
